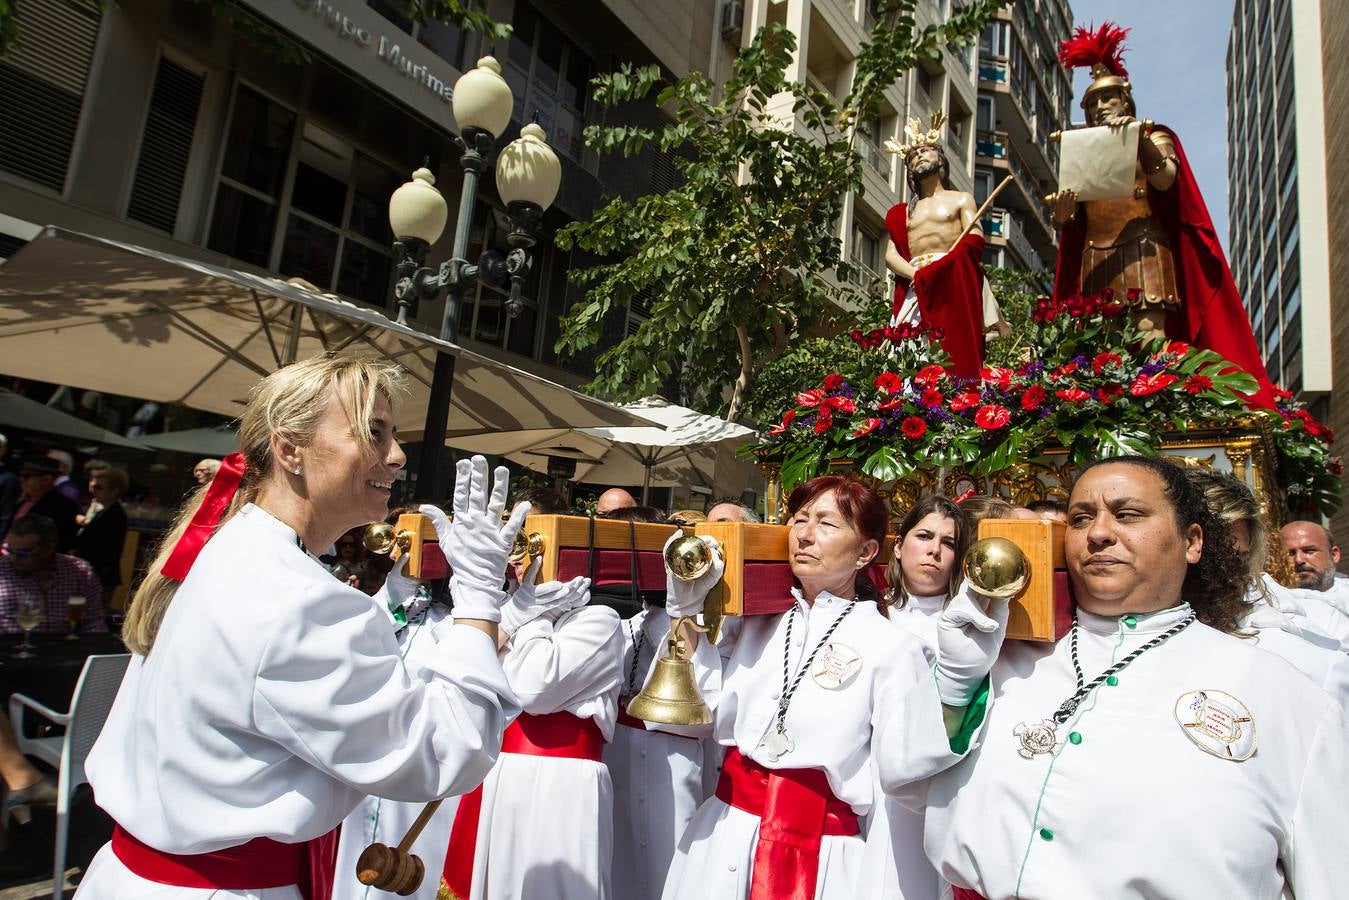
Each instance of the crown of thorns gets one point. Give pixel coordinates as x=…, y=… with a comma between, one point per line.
x=916, y=138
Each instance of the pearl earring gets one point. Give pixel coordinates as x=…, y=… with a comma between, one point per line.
x=297, y=470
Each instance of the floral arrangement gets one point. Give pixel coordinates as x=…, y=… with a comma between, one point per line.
x=1085, y=380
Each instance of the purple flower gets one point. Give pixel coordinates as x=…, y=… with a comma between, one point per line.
x=1152, y=368
x=1081, y=360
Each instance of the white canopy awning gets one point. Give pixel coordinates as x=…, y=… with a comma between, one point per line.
x=103, y=315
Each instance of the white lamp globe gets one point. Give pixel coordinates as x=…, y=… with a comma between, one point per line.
x=482, y=98
x=417, y=209
x=528, y=170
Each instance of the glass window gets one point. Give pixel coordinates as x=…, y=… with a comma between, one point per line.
x=549, y=77
x=242, y=226
x=335, y=230
x=259, y=142
x=445, y=41
x=393, y=11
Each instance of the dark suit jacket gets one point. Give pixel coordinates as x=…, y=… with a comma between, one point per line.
x=59, y=508
x=9, y=498
x=100, y=544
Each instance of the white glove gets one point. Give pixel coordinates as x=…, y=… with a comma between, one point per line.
x=685, y=598
x=476, y=545
x=529, y=601
x=968, y=641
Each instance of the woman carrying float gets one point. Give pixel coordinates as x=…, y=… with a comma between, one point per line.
x=265, y=697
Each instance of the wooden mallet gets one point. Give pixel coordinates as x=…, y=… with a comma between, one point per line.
x=394, y=869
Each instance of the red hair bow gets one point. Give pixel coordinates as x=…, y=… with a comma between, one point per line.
x=204, y=521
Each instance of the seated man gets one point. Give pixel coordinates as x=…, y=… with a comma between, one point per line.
x=31, y=566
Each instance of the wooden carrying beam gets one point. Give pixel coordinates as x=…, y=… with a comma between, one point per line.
x=758, y=577
x=425, y=559
x=1044, y=610
x=607, y=550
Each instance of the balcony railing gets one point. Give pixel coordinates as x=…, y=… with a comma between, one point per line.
x=1000, y=223
x=997, y=145
x=874, y=157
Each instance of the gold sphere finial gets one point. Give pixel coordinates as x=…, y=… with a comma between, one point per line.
x=997, y=568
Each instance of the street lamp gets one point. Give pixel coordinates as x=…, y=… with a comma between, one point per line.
x=528, y=175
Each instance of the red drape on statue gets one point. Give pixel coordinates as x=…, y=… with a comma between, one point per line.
x=950, y=294
x=1214, y=317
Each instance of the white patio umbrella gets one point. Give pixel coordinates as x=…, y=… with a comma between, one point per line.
x=683, y=452
x=99, y=314
x=217, y=441
x=21, y=412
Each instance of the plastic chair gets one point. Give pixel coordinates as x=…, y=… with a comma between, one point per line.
x=89, y=706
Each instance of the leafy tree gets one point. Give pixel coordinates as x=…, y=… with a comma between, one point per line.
x=735, y=262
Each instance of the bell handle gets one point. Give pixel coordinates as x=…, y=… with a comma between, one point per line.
x=415, y=831
x=678, y=645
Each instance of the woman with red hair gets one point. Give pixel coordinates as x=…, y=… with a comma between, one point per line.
x=808, y=701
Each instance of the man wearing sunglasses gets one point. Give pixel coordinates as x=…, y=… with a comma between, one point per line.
x=31, y=567
x=37, y=480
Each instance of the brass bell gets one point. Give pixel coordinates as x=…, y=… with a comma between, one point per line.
x=526, y=548
x=688, y=558
x=381, y=538
x=997, y=568
x=671, y=695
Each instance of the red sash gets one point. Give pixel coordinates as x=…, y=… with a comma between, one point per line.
x=960, y=893
x=797, y=809
x=558, y=735
x=254, y=865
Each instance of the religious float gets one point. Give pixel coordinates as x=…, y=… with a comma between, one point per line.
x=1143, y=345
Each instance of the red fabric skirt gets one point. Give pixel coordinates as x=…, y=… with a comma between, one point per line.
x=797, y=809
x=559, y=735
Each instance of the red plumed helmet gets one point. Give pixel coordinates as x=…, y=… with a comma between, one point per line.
x=1103, y=47
x=1102, y=50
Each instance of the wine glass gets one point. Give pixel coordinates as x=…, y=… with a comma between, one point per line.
x=75, y=607
x=29, y=617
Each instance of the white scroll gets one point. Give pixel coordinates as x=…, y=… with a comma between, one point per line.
x=1099, y=163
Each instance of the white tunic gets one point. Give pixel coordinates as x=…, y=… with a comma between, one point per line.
x=885, y=724
x=1316, y=606
x=1310, y=652
x=546, y=828
x=386, y=821
x=658, y=775
x=1133, y=807
x=896, y=867
x=273, y=701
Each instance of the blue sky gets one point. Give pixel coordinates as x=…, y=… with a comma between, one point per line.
x=1176, y=61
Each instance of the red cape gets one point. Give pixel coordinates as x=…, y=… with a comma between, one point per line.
x=1214, y=317
x=950, y=294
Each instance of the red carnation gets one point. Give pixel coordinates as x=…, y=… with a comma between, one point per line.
x=913, y=428
x=932, y=397
x=866, y=427
x=1105, y=359
x=1151, y=384
x=1109, y=392
x=928, y=376
x=891, y=403
x=1034, y=396
x=1072, y=395
x=1112, y=310
x=786, y=420
x=965, y=400
x=856, y=335
x=811, y=397
x=890, y=382
x=1197, y=384
x=833, y=381
x=992, y=417
x=824, y=422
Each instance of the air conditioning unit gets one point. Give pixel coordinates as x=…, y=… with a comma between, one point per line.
x=732, y=18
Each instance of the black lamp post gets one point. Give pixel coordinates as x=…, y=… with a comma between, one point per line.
x=528, y=174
